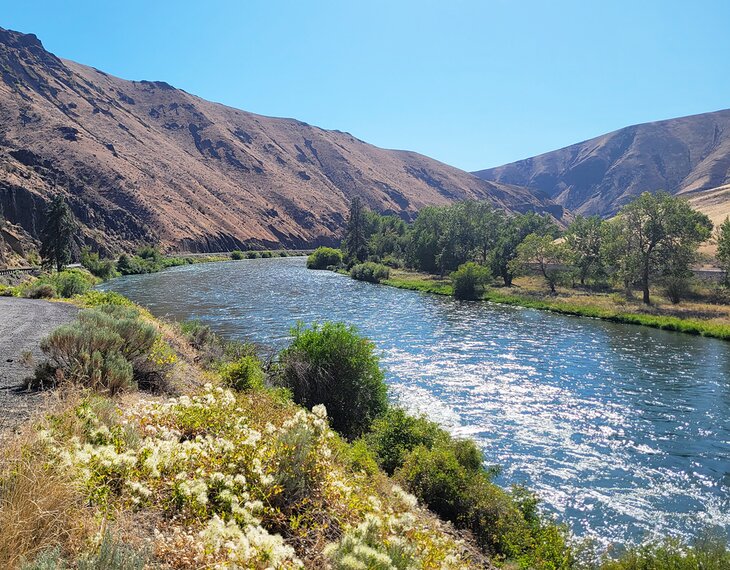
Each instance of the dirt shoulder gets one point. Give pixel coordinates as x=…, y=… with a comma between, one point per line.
x=23, y=323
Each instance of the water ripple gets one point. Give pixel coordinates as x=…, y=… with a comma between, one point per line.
x=623, y=431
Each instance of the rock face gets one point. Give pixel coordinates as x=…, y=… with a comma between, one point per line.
x=143, y=162
x=681, y=156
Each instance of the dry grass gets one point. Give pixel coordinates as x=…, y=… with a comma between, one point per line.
x=699, y=314
x=697, y=306
x=40, y=508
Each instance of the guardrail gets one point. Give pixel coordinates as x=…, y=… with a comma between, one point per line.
x=245, y=251
x=14, y=270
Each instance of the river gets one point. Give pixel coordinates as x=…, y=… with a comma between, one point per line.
x=624, y=431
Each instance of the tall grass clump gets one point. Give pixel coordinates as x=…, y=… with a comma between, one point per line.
x=39, y=507
x=370, y=272
x=331, y=364
x=324, y=257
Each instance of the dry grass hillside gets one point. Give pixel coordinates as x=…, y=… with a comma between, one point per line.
x=141, y=161
x=598, y=176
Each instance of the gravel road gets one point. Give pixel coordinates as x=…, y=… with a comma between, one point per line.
x=23, y=323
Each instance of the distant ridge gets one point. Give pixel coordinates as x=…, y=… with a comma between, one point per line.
x=141, y=161
x=597, y=176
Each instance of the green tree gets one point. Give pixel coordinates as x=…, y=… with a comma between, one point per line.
x=443, y=238
x=387, y=236
x=423, y=243
x=583, y=242
x=331, y=364
x=488, y=223
x=57, y=235
x=513, y=231
x=723, y=248
x=457, y=243
x=355, y=243
x=657, y=234
x=542, y=251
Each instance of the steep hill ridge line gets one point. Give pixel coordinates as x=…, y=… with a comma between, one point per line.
x=682, y=156
x=142, y=162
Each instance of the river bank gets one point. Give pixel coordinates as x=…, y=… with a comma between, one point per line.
x=691, y=317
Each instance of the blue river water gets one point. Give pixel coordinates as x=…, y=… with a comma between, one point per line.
x=624, y=431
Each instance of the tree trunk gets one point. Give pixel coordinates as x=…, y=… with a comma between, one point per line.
x=645, y=284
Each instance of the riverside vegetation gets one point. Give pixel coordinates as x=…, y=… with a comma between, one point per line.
x=592, y=268
x=170, y=447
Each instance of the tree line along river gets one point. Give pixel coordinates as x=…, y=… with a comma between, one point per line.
x=624, y=431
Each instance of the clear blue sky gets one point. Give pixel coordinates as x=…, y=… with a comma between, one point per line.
x=474, y=84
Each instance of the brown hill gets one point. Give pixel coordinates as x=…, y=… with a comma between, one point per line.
x=143, y=162
x=598, y=176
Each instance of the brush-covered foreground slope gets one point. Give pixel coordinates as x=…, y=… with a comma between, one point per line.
x=144, y=162
x=681, y=156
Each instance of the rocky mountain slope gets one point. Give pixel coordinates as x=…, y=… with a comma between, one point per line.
x=144, y=162
x=682, y=156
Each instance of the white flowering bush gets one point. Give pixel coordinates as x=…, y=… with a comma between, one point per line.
x=246, y=481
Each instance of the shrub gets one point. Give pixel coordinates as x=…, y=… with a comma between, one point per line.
x=110, y=555
x=243, y=374
x=369, y=271
x=266, y=254
x=447, y=474
x=676, y=288
x=237, y=254
x=109, y=348
x=211, y=349
x=198, y=334
x=375, y=545
x=707, y=553
x=392, y=261
x=437, y=478
x=97, y=298
x=87, y=356
x=395, y=434
x=717, y=294
x=131, y=265
x=506, y=526
x=324, y=257
x=71, y=283
x=331, y=364
x=252, y=255
x=469, y=280
x=41, y=291
x=7, y=291
x=150, y=253
x=104, y=269
x=113, y=555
